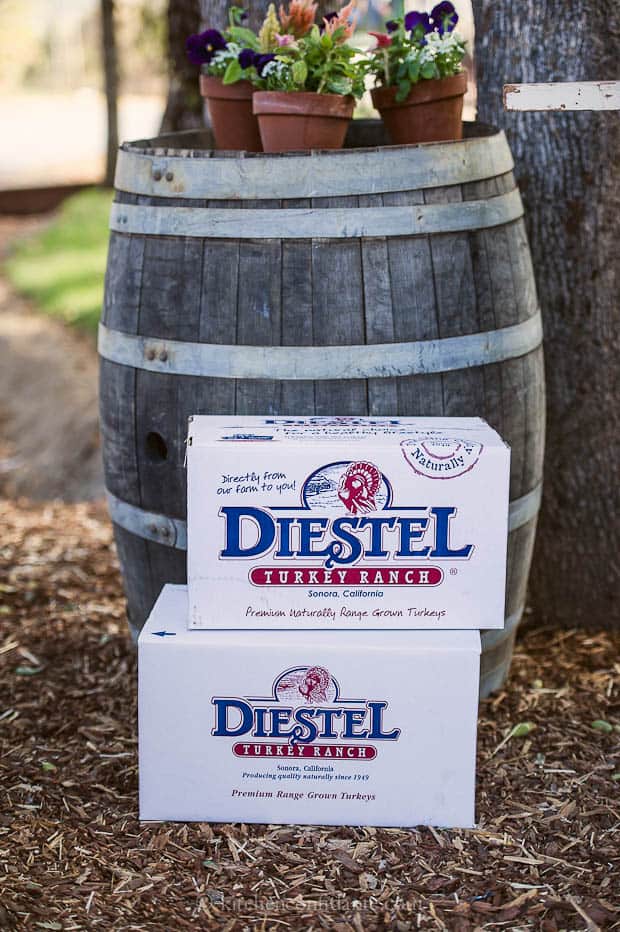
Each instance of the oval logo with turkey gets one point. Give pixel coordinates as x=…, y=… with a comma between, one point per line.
x=306, y=685
x=436, y=456
x=357, y=485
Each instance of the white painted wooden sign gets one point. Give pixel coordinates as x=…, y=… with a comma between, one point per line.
x=584, y=95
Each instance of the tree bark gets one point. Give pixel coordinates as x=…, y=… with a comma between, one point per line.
x=568, y=170
x=184, y=104
x=110, y=68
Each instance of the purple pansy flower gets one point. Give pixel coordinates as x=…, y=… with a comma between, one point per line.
x=202, y=47
x=415, y=20
x=195, y=50
x=444, y=17
x=246, y=58
x=391, y=25
x=261, y=61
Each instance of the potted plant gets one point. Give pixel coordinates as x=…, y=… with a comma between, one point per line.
x=225, y=84
x=417, y=63
x=308, y=82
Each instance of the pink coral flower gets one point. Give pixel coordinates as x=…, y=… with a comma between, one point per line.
x=299, y=18
x=344, y=18
x=383, y=40
x=286, y=41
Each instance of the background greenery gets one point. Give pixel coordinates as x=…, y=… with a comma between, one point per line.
x=62, y=267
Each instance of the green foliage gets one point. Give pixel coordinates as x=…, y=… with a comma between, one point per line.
x=243, y=37
x=224, y=62
x=319, y=62
x=404, y=57
x=236, y=15
x=233, y=73
x=522, y=729
x=601, y=725
x=62, y=267
x=300, y=73
x=290, y=52
x=150, y=38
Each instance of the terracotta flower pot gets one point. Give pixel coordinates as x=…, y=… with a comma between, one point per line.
x=290, y=120
x=431, y=113
x=230, y=108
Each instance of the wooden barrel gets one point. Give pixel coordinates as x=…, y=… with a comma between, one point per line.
x=374, y=281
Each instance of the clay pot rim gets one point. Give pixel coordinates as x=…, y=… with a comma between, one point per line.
x=303, y=103
x=212, y=86
x=425, y=91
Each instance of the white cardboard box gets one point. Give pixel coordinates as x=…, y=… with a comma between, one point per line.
x=346, y=523
x=225, y=718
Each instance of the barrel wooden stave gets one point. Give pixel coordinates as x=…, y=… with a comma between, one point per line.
x=297, y=292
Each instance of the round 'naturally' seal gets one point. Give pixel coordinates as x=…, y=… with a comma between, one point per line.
x=436, y=456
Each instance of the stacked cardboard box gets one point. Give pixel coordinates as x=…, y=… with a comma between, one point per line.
x=322, y=664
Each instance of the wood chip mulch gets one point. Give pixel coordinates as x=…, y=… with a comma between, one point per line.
x=545, y=854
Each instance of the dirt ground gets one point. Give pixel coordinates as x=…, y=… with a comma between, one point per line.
x=545, y=853
x=49, y=442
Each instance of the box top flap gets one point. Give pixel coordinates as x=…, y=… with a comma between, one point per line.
x=205, y=430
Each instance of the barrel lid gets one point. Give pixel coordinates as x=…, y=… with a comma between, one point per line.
x=184, y=165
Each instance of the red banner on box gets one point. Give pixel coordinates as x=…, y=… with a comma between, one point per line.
x=307, y=751
x=349, y=576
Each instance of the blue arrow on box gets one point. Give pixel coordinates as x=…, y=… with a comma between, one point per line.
x=165, y=634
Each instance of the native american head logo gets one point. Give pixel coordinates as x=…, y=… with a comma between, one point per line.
x=313, y=685
x=358, y=487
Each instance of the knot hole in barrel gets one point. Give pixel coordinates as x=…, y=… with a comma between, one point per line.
x=156, y=447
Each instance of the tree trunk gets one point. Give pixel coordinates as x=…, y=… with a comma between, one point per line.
x=184, y=104
x=184, y=108
x=110, y=68
x=567, y=167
